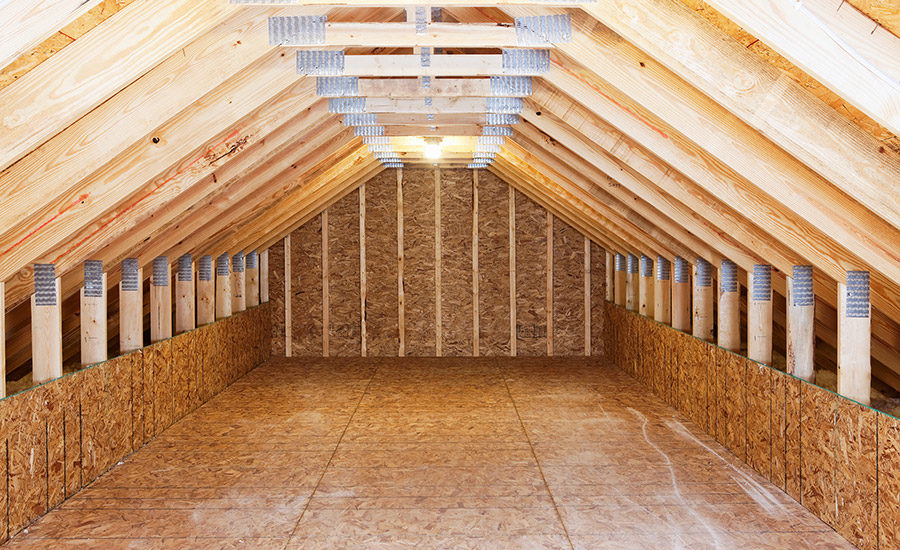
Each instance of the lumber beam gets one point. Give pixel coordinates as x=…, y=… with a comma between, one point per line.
x=89, y=71
x=131, y=306
x=646, y=300
x=160, y=300
x=93, y=322
x=264, y=276
x=729, y=325
x=411, y=65
x=223, y=287
x=854, y=338
x=681, y=295
x=662, y=311
x=406, y=35
x=26, y=23
x=400, y=88
x=206, y=291
x=801, y=321
x=238, y=283
x=185, y=308
x=761, y=95
x=703, y=321
x=408, y=3
x=759, y=314
x=46, y=325
x=821, y=41
x=251, y=274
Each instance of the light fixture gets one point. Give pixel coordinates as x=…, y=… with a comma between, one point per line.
x=433, y=148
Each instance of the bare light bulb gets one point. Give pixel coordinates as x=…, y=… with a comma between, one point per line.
x=432, y=150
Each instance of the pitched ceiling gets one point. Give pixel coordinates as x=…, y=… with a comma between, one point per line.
x=661, y=127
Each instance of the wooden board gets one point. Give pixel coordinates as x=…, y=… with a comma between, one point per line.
x=54, y=413
x=779, y=428
x=817, y=420
x=95, y=457
x=792, y=434
x=456, y=262
x=181, y=361
x=343, y=278
x=531, y=277
x=137, y=399
x=306, y=289
x=568, y=290
x=493, y=269
x=736, y=405
x=598, y=300
x=888, y=481
x=26, y=437
x=381, y=265
x=856, y=473
x=721, y=359
x=418, y=271
x=119, y=410
x=759, y=418
x=276, y=297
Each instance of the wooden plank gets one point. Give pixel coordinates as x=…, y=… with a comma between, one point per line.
x=93, y=326
x=854, y=339
x=25, y=24
x=438, y=267
x=363, y=287
x=46, y=339
x=92, y=69
x=824, y=44
x=185, y=316
x=326, y=297
x=408, y=3
x=161, y=303
x=411, y=65
x=405, y=35
x=288, y=306
x=401, y=259
x=781, y=109
x=759, y=314
x=131, y=317
x=264, y=276
x=476, y=297
x=238, y=283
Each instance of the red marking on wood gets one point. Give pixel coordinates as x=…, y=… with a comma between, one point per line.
x=144, y=196
x=43, y=225
x=67, y=36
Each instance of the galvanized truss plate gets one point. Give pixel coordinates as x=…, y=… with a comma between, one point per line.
x=320, y=62
x=298, y=30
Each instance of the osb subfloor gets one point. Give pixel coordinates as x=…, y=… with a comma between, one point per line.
x=388, y=453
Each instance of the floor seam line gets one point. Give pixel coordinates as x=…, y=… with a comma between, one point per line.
x=536, y=461
x=331, y=458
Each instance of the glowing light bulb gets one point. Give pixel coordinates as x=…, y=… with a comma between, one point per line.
x=433, y=150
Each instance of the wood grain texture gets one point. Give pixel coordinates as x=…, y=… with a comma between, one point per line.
x=712, y=387
x=721, y=363
x=381, y=265
x=568, y=290
x=779, y=428
x=164, y=400
x=181, y=384
x=531, y=277
x=493, y=267
x=792, y=435
x=95, y=458
x=343, y=277
x=119, y=409
x=137, y=399
x=695, y=361
x=26, y=436
x=418, y=270
x=306, y=289
x=456, y=262
x=817, y=459
x=54, y=413
x=759, y=418
x=598, y=301
x=276, y=297
x=888, y=481
x=736, y=405
x=856, y=473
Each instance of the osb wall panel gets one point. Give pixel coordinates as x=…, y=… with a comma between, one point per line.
x=568, y=290
x=419, y=254
x=493, y=265
x=382, y=324
x=58, y=437
x=888, y=482
x=855, y=473
x=598, y=298
x=531, y=277
x=759, y=418
x=306, y=289
x=345, y=318
x=817, y=410
x=276, y=296
x=456, y=263
x=839, y=458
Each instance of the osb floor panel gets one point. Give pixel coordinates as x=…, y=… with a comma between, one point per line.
x=426, y=453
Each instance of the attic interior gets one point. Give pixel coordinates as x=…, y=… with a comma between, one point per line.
x=488, y=274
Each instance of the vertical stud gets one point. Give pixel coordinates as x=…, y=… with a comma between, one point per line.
x=610, y=276
x=160, y=300
x=238, y=283
x=703, y=300
x=46, y=325
x=131, y=307
x=93, y=314
x=759, y=315
x=729, y=307
x=631, y=284
x=681, y=295
x=801, y=323
x=855, y=338
x=206, y=291
x=184, y=295
x=663, y=293
x=264, y=276
x=646, y=287
x=223, y=287
x=621, y=276
x=251, y=276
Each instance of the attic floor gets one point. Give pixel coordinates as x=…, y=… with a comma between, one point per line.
x=449, y=453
